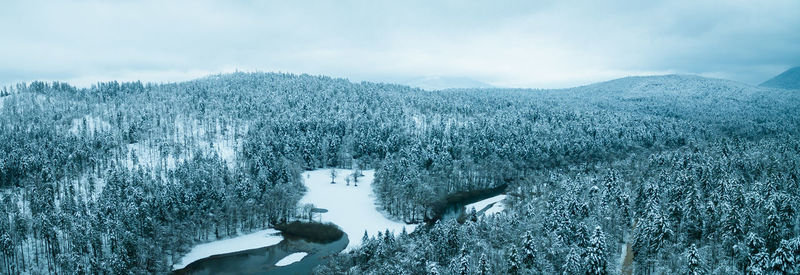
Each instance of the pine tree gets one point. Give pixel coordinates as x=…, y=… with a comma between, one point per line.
x=783, y=261
x=758, y=263
x=694, y=266
x=513, y=261
x=483, y=266
x=572, y=264
x=463, y=262
x=774, y=226
x=432, y=268
x=528, y=250
x=595, y=257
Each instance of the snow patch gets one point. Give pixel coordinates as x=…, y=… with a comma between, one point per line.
x=254, y=240
x=147, y=156
x=353, y=208
x=191, y=137
x=492, y=205
x=292, y=258
x=92, y=125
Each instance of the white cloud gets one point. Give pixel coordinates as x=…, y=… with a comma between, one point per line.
x=512, y=44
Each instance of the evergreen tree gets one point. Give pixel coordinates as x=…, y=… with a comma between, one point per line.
x=572, y=264
x=513, y=261
x=759, y=264
x=595, y=256
x=463, y=262
x=783, y=260
x=483, y=265
x=528, y=250
x=693, y=265
x=432, y=268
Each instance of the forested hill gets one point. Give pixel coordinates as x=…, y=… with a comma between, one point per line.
x=125, y=177
x=790, y=79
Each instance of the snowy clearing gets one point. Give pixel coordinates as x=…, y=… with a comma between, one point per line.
x=292, y=258
x=495, y=205
x=254, y=240
x=90, y=125
x=352, y=208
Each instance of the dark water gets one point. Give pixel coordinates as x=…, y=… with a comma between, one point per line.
x=454, y=205
x=262, y=260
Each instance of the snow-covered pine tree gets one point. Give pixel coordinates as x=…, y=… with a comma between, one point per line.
x=783, y=261
x=758, y=264
x=513, y=261
x=432, y=268
x=754, y=243
x=483, y=265
x=463, y=262
x=572, y=264
x=693, y=265
x=528, y=250
x=595, y=256
x=473, y=215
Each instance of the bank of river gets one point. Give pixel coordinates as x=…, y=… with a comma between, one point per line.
x=347, y=202
x=351, y=208
x=264, y=260
x=454, y=205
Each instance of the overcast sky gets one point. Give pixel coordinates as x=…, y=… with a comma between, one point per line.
x=538, y=44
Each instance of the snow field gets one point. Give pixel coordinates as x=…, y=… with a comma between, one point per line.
x=253, y=240
x=495, y=205
x=93, y=124
x=291, y=258
x=352, y=208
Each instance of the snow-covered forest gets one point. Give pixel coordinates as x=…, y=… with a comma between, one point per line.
x=646, y=175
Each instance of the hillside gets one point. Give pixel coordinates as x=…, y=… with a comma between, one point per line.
x=790, y=79
x=135, y=174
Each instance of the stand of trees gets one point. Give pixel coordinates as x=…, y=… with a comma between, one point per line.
x=722, y=208
x=697, y=175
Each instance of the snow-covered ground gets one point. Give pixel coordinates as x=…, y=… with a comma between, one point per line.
x=254, y=240
x=292, y=258
x=149, y=156
x=93, y=124
x=191, y=136
x=495, y=205
x=352, y=208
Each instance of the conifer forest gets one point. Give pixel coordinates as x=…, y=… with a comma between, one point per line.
x=672, y=174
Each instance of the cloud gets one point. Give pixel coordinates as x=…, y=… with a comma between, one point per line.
x=511, y=44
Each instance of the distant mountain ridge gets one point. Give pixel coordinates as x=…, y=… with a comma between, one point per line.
x=790, y=79
x=443, y=82
x=670, y=85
